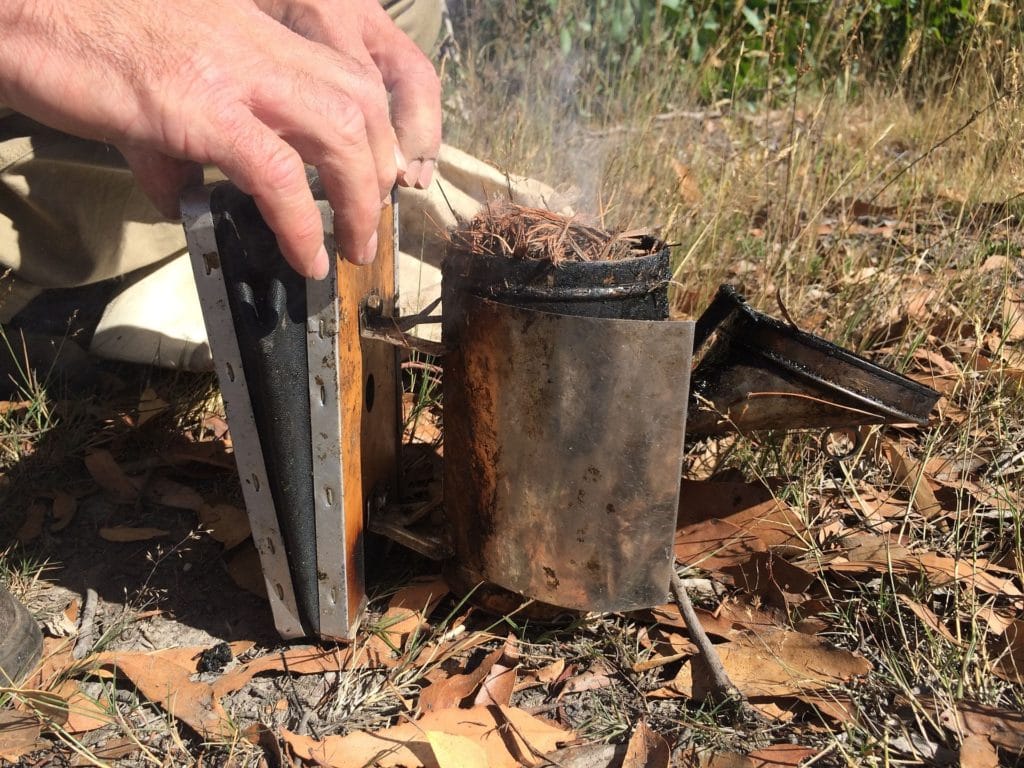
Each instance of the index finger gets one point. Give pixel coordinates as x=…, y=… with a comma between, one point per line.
x=263, y=165
x=414, y=87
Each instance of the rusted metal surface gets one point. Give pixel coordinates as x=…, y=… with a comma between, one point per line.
x=563, y=451
x=756, y=372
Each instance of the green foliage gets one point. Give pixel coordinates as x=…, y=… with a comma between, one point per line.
x=745, y=48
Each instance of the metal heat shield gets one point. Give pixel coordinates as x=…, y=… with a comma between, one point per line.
x=313, y=409
x=563, y=451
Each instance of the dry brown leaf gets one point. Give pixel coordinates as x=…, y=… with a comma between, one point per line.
x=689, y=192
x=779, y=663
x=707, y=499
x=976, y=751
x=8, y=407
x=665, y=642
x=1013, y=320
x=32, y=526
x=909, y=473
x=408, y=609
x=109, y=750
x=497, y=687
x=742, y=614
x=542, y=676
x=592, y=680
x=1002, y=727
x=164, y=677
x=725, y=760
x=19, y=735
x=868, y=552
x=450, y=692
x=81, y=713
x=942, y=570
x=928, y=618
x=771, y=710
x=150, y=406
x=304, y=660
x=509, y=738
x=778, y=755
x=669, y=616
x=64, y=507
x=877, y=506
x=55, y=659
x=169, y=493
x=453, y=751
x=1010, y=665
x=646, y=749
x=775, y=756
x=124, y=533
x=771, y=578
x=245, y=570
x=835, y=706
x=110, y=477
x=995, y=622
x=747, y=506
x=226, y=523
x=715, y=544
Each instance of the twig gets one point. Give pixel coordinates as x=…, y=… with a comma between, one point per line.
x=87, y=627
x=722, y=688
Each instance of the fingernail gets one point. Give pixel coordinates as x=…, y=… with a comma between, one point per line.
x=426, y=175
x=412, y=173
x=321, y=265
x=400, y=161
x=371, y=250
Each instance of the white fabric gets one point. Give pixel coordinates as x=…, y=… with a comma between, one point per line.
x=156, y=319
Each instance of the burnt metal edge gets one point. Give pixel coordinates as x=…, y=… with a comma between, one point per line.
x=729, y=300
x=197, y=220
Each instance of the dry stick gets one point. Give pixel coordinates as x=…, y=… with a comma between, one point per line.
x=87, y=627
x=722, y=688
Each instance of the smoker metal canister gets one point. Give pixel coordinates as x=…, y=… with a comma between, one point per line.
x=564, y=433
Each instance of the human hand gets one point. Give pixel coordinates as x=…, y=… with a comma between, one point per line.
x=254, y=87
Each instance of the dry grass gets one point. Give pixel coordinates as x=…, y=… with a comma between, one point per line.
x=514, y=231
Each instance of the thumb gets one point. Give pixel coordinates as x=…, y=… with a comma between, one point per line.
x=162, y=178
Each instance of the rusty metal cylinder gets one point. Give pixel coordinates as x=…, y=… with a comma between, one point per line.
x=564, y=432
